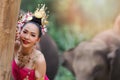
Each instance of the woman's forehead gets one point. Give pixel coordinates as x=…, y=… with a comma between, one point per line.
x=31, y=27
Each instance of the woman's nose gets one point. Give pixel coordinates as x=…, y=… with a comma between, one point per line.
x=27, y=36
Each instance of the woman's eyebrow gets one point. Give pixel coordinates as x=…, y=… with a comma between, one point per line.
x=25, y=30
x=33, y=33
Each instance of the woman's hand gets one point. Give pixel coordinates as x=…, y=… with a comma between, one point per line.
x=17, y=40
x=17, y=36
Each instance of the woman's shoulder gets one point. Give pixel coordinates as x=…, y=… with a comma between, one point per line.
x=39, y=56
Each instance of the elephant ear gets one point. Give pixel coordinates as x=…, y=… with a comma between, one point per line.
x=103, y=54
x=102, y=51
x=115, y=73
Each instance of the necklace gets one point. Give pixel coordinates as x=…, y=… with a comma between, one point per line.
x=23, y=59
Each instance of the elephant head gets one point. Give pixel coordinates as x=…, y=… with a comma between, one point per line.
x=90, y=61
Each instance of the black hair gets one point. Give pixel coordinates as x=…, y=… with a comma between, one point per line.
x=37, y=22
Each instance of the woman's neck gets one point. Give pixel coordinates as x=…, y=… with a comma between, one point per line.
x=26, y=51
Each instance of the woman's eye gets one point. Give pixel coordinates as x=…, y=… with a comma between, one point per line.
x=33, y=35
x=24, y=31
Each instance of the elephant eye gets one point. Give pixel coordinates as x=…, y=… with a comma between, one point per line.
x=98, y=70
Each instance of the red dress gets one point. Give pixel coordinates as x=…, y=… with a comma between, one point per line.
x=21, y=73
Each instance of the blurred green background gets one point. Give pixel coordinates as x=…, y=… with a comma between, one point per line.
x=73, y=21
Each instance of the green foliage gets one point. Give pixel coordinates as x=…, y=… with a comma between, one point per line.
x=64, y=36
x=64, y=74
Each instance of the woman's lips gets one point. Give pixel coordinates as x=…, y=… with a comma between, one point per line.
x=25, y=42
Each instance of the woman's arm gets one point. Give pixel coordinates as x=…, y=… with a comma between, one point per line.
x=40, y=68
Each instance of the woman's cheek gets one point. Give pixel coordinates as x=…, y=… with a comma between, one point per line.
x=21, y=36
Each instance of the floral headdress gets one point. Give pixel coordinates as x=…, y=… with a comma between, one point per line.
x=39, y=14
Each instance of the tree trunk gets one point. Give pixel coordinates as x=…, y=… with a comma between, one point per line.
x=8, y=18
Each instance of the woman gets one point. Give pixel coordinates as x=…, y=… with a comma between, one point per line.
x=28, y=62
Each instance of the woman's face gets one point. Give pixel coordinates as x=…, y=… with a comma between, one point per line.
x=29, y=35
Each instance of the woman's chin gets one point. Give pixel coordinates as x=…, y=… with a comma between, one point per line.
x=25, y=45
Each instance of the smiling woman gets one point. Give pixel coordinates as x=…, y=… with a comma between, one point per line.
x=28, y=62
x=29, y=34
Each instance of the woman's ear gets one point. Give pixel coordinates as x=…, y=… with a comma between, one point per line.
x=37, y=44
x=38, y=40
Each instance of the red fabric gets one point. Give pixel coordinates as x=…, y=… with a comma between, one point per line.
x=20, y=73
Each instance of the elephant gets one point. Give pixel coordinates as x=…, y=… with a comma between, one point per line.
x=100, y=51
x=49, y=48
x=88, y=61
x=96, y=59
